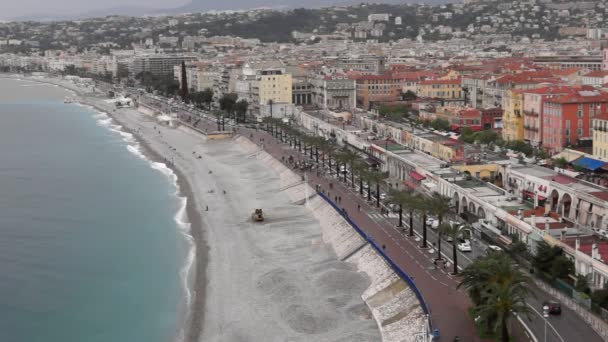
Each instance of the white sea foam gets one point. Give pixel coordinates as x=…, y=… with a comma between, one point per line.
x=180, y=217
x=104, y=122
x=136, y=151
x=162, y=167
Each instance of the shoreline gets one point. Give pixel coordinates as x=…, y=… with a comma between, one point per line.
x=190, y=325
x=190, y=322
x=195, y=279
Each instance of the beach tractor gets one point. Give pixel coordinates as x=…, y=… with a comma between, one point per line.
x=257, y=216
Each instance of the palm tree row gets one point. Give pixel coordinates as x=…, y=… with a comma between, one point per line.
x=494, y=283
x=497, y=288
x=337, y=158
x=436, y=205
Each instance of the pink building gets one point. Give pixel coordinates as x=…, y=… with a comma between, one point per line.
x=534, y=100
x=567, y=118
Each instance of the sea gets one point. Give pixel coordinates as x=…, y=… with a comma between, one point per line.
x=93, y=236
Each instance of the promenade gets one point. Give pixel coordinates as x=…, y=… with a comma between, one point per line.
x=448, y=306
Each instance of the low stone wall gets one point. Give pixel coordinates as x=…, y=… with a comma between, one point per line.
x=393, y=304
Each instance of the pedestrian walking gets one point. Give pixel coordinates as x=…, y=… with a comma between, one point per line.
x=339, y=199
x=336, y=199
x=358, y=207
x=206, y=208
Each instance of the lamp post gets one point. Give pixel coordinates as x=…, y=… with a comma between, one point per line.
x=545, y=316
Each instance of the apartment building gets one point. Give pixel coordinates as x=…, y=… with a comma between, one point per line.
x=512, y=119
x=378, y=88
x=272, y=86
x=334, y=92
x=533, y=104
x=600, y=136
x=157, y=64
x=447, y=89
x=567, y=119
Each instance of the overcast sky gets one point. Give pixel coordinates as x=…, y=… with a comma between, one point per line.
x=18, y=8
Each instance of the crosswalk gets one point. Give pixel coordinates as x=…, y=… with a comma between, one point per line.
x=377, y=217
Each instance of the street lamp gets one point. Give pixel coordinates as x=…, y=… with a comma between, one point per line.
x=545, y=316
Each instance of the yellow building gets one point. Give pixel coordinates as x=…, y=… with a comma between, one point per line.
x=488, y=171
x=512, y=117
x=449, y=89
x=273, y=85
x=600, y=136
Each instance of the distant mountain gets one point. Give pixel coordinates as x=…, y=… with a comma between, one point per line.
x=206, y=5
x=122, y=10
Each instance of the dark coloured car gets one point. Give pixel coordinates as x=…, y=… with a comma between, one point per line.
x=555, y=308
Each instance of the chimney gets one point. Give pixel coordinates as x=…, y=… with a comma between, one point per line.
x=547, y=227
x=577, y=244
x=535, y=200
x=533, y=221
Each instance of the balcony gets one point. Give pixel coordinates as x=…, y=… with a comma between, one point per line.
x=531, y=128
x=533, y=114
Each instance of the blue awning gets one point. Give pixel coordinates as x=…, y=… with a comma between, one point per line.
x=589, y=163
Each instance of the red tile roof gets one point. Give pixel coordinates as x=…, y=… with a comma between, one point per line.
x=561, y=179
x=556, y=90
x=597, y=73
x=603, y=195
x=583, y=96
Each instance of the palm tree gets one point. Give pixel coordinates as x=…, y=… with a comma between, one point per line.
x=440, y=206
x=455, y=232
x=409, y=201
x=309, y=142
x=399, y=198
x=360, y=167
x=327, y=149
x=498, y=289
x=376, y=176
x=350, y=158
x=421, y=204
x=340, y=160
x=366, y=174
x=271, y=104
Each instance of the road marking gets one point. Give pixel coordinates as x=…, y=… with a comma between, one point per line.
x=549, y=323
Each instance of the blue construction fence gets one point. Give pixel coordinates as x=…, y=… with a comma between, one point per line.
x=396, y=268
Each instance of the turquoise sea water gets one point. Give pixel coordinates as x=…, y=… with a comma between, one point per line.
x=89, y=248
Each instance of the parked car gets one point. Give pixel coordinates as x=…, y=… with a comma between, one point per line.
x=465, y=246
x=555, y=308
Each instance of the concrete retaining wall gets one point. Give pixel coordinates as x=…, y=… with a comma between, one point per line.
x=394, y=305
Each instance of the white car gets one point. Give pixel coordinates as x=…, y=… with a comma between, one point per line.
x=465, y=246
x=493, y=248
x=432, y=222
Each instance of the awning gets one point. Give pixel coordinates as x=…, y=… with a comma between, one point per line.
x=531, y=195
x=416, y=176
x=410, y=184
x=589, y=163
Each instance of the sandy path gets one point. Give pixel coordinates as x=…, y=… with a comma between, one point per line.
x=266, y=282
